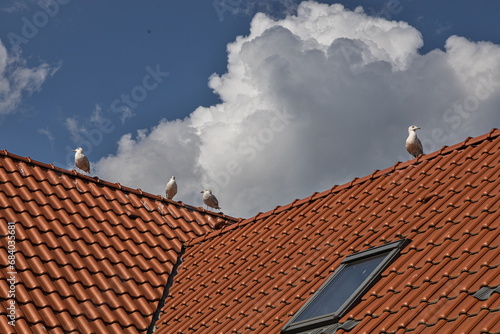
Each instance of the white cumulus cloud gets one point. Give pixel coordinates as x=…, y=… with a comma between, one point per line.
x=16, y=79
x=310, y=101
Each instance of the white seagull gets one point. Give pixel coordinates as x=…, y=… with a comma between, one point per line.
x=413, y=144
x=209, y=199
x=171, y=188
x=81, y=160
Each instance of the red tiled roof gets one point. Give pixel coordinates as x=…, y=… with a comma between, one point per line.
x=90, y=256
x=93, y=256
x=253, y=276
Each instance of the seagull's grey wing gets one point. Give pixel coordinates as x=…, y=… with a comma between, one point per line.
x=215, y=202
x=83, y=163
x=419, y=147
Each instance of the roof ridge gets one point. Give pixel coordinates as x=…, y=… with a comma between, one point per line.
x=96, y=180
x=445, y=150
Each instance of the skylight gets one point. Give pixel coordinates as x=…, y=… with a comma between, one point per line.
x=357, y=272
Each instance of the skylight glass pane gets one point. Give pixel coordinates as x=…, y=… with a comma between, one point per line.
x=341, y=287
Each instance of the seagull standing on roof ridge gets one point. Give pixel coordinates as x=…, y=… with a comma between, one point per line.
x=209, y=199
x=171, y=188
x=413, y=144
x=81, y=160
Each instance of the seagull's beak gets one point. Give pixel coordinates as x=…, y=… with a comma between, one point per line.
x=74, y=150
x=417, y=128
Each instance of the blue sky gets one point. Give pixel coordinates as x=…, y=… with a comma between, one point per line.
x=113, y=76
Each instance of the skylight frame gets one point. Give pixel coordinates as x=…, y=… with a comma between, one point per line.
x=392, y=249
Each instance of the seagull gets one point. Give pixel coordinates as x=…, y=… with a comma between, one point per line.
x=209, y=199
x=81, y=160
x=413, y=144
x=171, y=188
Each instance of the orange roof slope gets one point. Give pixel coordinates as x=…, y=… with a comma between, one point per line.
x=253, y=276
x=90, y=256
